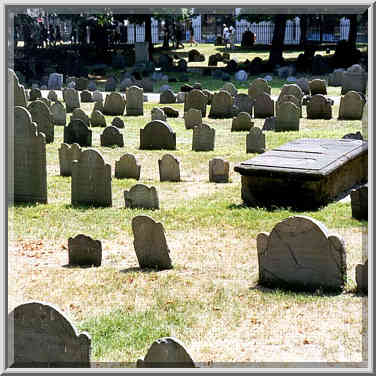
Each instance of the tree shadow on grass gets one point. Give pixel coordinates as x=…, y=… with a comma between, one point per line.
x=142, y=270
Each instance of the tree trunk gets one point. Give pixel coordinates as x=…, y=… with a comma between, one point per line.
x=353, y=31
x=303, y=30
x=276, y=51
x=148, y=37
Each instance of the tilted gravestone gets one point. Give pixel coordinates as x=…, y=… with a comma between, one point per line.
x=255, y=141
x=91, y=180
x=288, y=117
x=288, y=98
x=244, y=103
x=127, y=167
x=78, y=113
x=361, y=277
x=218, y=170
x=166, y=352
x=230, y=87
x=300, y=253
x=83, y=250
x=58, y=113
x=150, y=243
x=359, y=202
x=97, y=119
x=243, y=122
x=135, y=101
x=30, y=171
x=195, y=99
x=203, y=138
x=117, y=122
x=71, y=99
x=41, y=115
x=158, y=114
x=114, y=104
x=169, y=168
x=192, y=118
x=35, y=94
x=77, y=132
x=43, y=337
x=67, y=154
x=111, y=136
x=167, y=97
x=86, y=96
x=319, y=107
x=19, y=93
x=141, y=196
x=157, y=135
x=263, y=106
x=222, y=106
x=52, y=96
x=317, y=86
x=354, y=78
x=351, y=106
x=257, y=87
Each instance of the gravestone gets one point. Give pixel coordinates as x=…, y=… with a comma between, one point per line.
x=255, y=141
x=319, y=107
x=243, y=103
x=158, y=114
x=361, y=277
x=303, y=83
x=351, y=106
x=83, y=250
x=336, y=78
x=288, y=98
x=203, y=138
x=41, y=115
x=359, y=202
x=97, y=96
x=241, y=76
x=170, y=112
x=43, y=337
x=91, y=180
x=111, y=136
x=46, y=101
x=35, y=94
x=78, y=113
x=58, y=113
x=92, y=86
x=67, y=154
x=77, y=132
x=135, y=101
x=192, y=118
x=195, y=99
x=117, y=122
x=82, y=83
x=71, y=99
x=127, y=167
x=300, y=253
x=222, y=106
x=141, y=196
x=114, y=104
x=97, y=119
x=354, y=136
x=166, y=352
x=180, y=97
x=110, y=84
x=55, y=81
x=292, y=89
x=157, y=135
x=150, y=243
x=243, y=122
x=98, y=106
x=30, y=171
x=147, y=84
x=317, y=86
x=263, y=106
x=126, y=83
x=355, y=78
x=288, y=117
x=230, y=87
x=52, y=96
x=257, y=87
x=167, y=97
x=209, y=95
x=19, y=93
x=269, y=124
x=169, y=168
x=142, y=52
x=218, y=170
x=86, y=96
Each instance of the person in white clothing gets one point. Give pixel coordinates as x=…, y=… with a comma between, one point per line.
x=225, y=34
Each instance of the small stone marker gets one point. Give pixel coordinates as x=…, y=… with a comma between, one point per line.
x=244, y=103
x=77, y=132
x=169, y=168
x=288, y=117
x=195, y=99
x=218, y=170
x=97, y=119
x=319, y=107
x=117, y=122
x=222, y=106
x=157, y=135
x=166, y=352
x=135, y=101
x=167, y=97
x=83, y=250
x=71, y=99
x=111, y=136
x=141, y=196
x=361, y=276
x=300, y=253
x=255, y=141
x=317, y=86
x=203, y=138
x=243, y=122
x=263, y=106
x=359, y=202
x=158, y=114
x=41, y=115
x=351, y=106
x=91, y=180
x=114, y=104
x=150, y=243
x=67, y=154
x=192, y=118
x=45, y=337
x=127, y=167
x=258, y=87
x=86, y=96
x=78, y=113
x=180, y=97
x=58, y=113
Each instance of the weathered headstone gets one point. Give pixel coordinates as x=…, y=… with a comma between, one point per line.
x=355, y=78
x=114, y=104
x=317, y=86
x=195, y=99
x=52, y=96
x=336, y=78
x=150, y=243
x=91, y=180
x=351, y=106
x=243, y=122
x=257, y=87
x=167, y=97
x=77, y=132
x=288, y=98
x=111, y=136
x=292, y=89
x=361, y=277
x=86, y=96
x=288, y=117
x=243, y=103
x=41, y=115
x=319, y=107
x=19, y=93
x=303, y=83
x=157, y=135
x=135, y=101
x=67, y=154
x=203, y=138
x=192, y=118
x=127, y=167
x=97, y=119
x=158, y=114
x=46, y=101
x=35, y=94
x=117, y=122
x=83, y=250
x=300, y=253
x=218, y=170
x=222, y=106
x=71, y=99
x=209, y=95
x=97, y=96
x=230, y=87
x=98, y=106
x=255, y=141
x=169, y=168
x=263, y=106
x=141, y=196
x=359, y=202
x=58, y=113
x=78, y=113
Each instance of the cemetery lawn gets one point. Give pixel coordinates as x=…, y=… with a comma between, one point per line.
x=210, y=300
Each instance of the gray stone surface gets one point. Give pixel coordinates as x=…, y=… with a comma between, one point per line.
x=196, y=99
x=117, y=122
x=319, y=107
x=67, y=154
x=300, y=253
x=169, y=168
x=288, y=98
x=71, y=99
x=351, y=106
x=86, y=96
x=203, y=138
x=244, y=103
x=58, y=113
x=166, y=352
x=359, y=202
x=135, y=101
x=263, y=106
x=55, y=81
x=257, y=87
x=97, y=96
x=44, y=337
x=303, y=83
x=167, y=97
x=292, y=89
x=242, y=122
x=158, y=114
x=355, y=78
x=46, y=101
x=269, y=124
x=41, y=115
x=52, y=96
x=192, y=118
x=78, y=113
x=150, y=243
x=222, y=106
x=91, y=180
x=288, y=117
x=30, y=171
x=218, y=170
x=77, y=132
x=98, y=106
x=127, y=167
x=19, y=93
x=84, y=251
x=255, y=141
x=317, y=86
x=114, y=104
x=111, y=136
x=361, y=276
x=141, y=196
x=336, y=78
x=97, y=119
x=157, y=135
x=230, y=87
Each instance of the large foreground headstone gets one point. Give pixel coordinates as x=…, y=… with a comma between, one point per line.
x=44, y=337
x=114, y=104
x=67, y=154
x=141, y=196
x=112, y=136
x=30, y=171
x=91, y=180
x=300, y=253
x=41, y=115
x=157, y=135
x=150, y=243
x=218, y=170
x=351, y=106
x=203, y=138
x=77, y=132
x=83, y=250
x=127, y=167
x=169, y=168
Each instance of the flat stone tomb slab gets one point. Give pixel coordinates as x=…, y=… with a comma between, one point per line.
x=304, y=174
